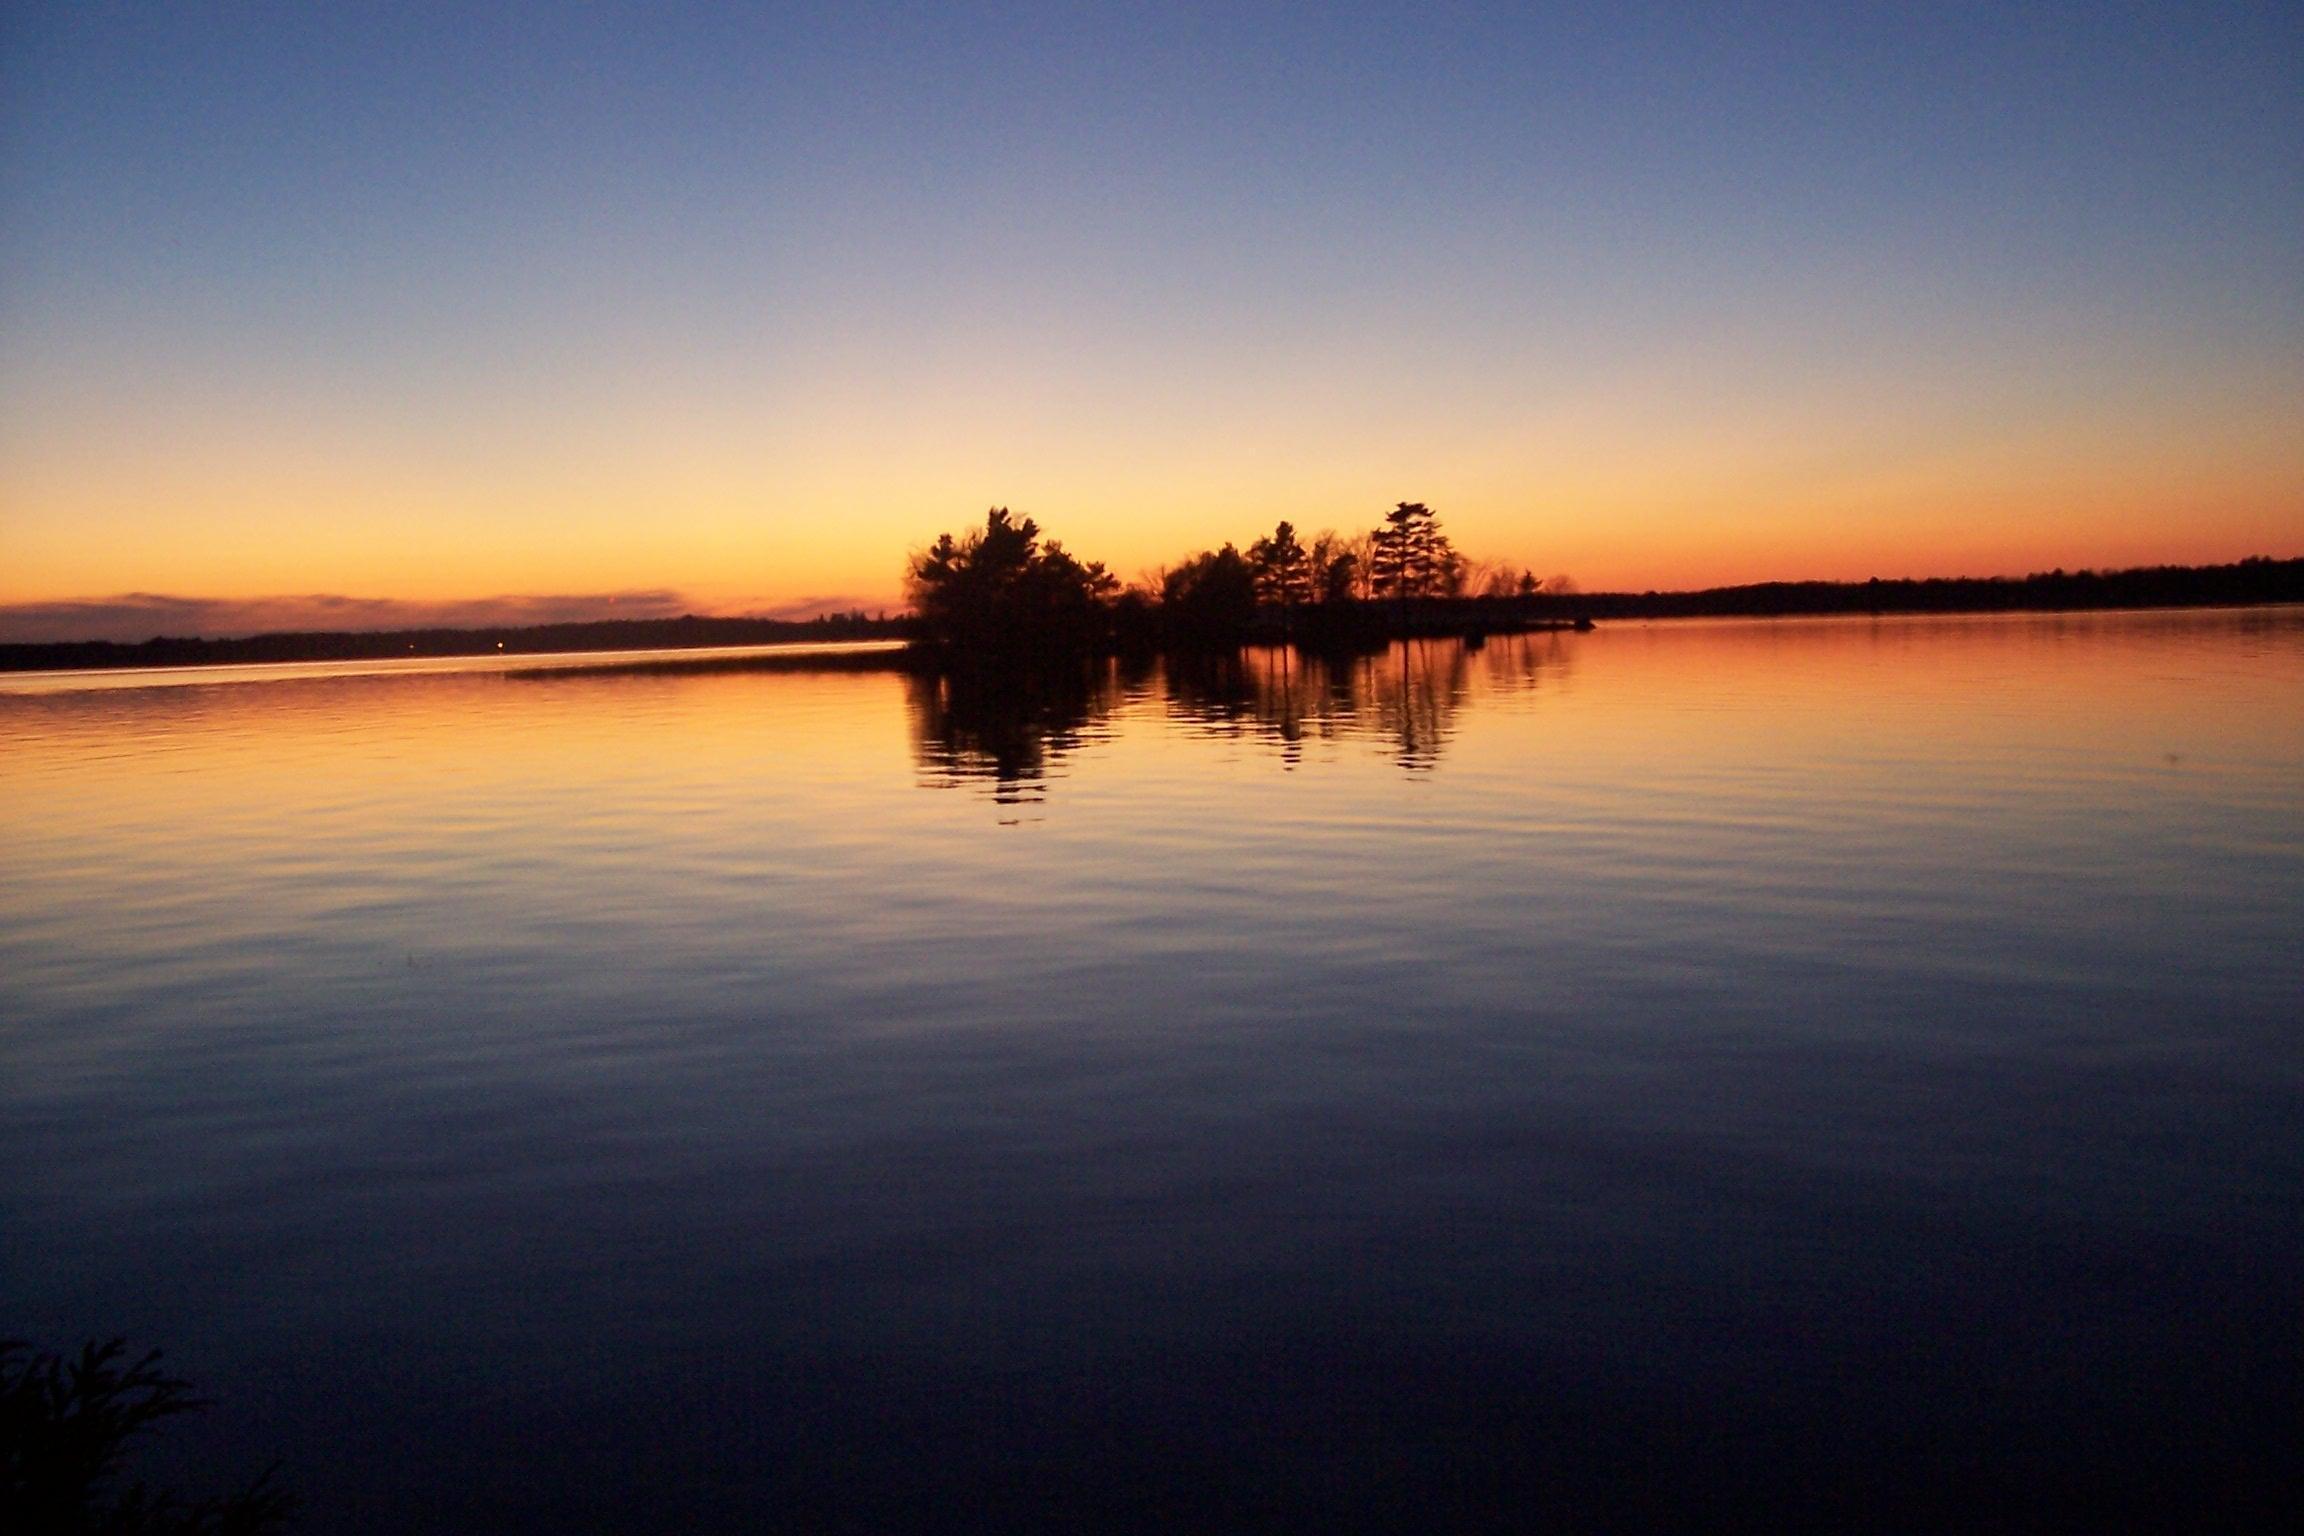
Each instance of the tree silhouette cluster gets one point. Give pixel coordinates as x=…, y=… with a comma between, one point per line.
x=1284, y=587
x=999, y=590
x=1213, y=594
x=1408, y=555
x=1283, y=567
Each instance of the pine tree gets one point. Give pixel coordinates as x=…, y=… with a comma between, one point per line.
x=1410, y=557
x=1283, y=569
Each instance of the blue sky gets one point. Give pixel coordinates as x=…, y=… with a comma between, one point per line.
x=438, y=301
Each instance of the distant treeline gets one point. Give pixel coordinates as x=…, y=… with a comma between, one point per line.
x=1001, y=594
x=2256, y=580
x=537, y=639
x=1217, y=598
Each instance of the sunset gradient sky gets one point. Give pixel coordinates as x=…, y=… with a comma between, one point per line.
x=729, y=307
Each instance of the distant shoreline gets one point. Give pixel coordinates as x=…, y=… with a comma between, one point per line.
x=689, y=633
x=2248, y=583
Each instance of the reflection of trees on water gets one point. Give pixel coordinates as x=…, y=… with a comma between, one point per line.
x=1405, y=700
x=1013, y=731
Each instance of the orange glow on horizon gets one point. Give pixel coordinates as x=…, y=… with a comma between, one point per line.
x=240, y=504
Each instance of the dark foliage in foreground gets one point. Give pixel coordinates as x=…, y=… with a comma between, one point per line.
x=65, y=1428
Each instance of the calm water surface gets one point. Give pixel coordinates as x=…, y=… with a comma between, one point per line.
x=1810, y=1072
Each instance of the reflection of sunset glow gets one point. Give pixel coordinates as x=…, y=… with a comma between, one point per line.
x=204, y=758
x=1645, y=702
x=1627, y=710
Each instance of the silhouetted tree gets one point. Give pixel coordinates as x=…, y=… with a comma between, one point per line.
x=1410, y=557
x=1335, y=568
x=1136, y=620
x=1448, y=572
x=1210, y=599
x=998, y=590
x=65, y=1427
x=1489, y=578
x=1283, y=568
x=1388, y=559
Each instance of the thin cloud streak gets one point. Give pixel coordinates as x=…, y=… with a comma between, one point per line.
x=133, y=617
x=138, y=616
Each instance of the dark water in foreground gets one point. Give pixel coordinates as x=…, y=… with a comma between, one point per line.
x=1812, y=1073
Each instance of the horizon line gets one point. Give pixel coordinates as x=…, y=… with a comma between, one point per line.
x=113, y=619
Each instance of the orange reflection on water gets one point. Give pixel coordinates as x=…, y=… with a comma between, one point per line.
x=1796, y=706
x=357, y=766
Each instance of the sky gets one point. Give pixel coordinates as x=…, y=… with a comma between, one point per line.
x=395, y=312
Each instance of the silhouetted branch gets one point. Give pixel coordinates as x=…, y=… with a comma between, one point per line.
x=66, y=1425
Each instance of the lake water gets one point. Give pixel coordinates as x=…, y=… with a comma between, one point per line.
x=1811, y=1072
